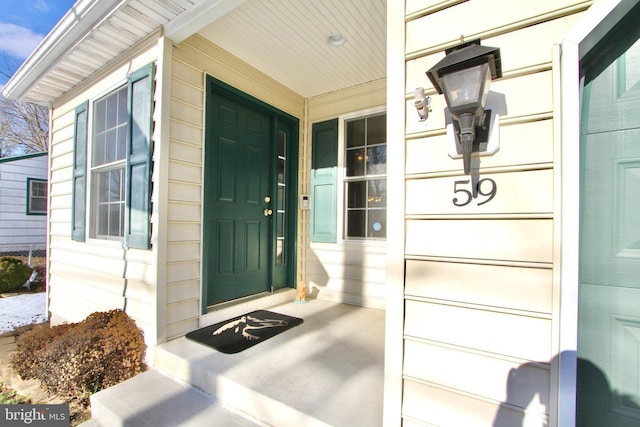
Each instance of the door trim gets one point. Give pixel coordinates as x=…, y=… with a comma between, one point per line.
x=277, y=116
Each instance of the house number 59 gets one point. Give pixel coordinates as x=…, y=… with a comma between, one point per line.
x=465, y=198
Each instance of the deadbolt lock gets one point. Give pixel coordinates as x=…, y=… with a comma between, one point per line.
x=267, y=199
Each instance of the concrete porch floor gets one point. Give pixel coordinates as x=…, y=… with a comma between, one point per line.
x=326, y=372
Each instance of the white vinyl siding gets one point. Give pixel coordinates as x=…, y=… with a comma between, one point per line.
x=17, y=227
x=483, y=273
x=346, y=271
x=96, y=275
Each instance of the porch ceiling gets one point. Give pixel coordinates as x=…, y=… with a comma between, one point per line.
x=285, y=39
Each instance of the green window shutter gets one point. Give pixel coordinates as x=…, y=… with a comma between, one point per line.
x=79, y=187
x=324, y=181
x=139, y=153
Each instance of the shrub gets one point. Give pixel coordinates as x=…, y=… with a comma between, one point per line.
x=77, y=360
x=13, y=273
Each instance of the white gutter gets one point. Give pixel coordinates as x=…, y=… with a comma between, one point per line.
x=79, y=22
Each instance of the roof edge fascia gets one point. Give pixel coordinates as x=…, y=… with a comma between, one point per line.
x=196, y=18
x=83, y=17
x=22, y=157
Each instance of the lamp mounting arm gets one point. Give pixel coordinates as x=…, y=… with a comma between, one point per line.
x=467, y=124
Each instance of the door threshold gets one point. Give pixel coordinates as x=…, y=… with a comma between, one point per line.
x=229, y=309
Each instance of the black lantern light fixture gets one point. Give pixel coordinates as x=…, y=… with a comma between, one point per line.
x=463, y=76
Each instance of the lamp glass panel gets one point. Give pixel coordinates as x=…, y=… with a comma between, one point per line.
x=486, y=75
x=464, y=86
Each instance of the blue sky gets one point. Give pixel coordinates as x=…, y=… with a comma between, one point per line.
x=23, y=24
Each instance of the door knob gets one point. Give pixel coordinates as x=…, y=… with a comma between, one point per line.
x=267, y=212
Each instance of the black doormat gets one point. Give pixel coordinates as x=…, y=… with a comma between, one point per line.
x=240, y=333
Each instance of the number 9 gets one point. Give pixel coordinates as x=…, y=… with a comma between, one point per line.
x=491, y=194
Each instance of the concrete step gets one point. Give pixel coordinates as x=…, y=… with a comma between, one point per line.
x=153, y=399
x=326, y=372
x=186, y=365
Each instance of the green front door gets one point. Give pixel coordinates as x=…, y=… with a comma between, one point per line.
x=250, y=196
x=609, y=298
x=237, y=191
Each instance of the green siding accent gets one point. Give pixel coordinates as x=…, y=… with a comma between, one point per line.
x=324, y=181
x=139, y=155
x=79, y=187
x=22, y=157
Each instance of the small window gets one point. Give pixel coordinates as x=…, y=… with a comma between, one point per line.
x=108, y=165
x=37, y=196
x=366, y=177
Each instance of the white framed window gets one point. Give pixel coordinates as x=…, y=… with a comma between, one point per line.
x=363, y=156
x=108, y=165
x=112, y=164
x=36, y=196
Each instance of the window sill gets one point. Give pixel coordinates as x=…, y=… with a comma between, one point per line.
x=105, y=242
x=380, y=244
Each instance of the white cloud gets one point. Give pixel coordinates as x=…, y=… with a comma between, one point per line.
x=18, y=41
x=41, y=6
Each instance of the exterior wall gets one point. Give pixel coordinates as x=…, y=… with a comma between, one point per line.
x=481, y=316
x=16, y=227
x=190, y=62
x=161, y=288
x=98, y=275
x=350, y=272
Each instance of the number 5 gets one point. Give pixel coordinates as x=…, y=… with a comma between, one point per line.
x=461, y=190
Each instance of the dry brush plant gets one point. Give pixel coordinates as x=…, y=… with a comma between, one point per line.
x=76, y=360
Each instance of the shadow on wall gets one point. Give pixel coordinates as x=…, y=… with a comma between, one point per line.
x=316, y=275
x=598, y=405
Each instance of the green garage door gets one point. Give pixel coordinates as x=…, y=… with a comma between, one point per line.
x=609, y=307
